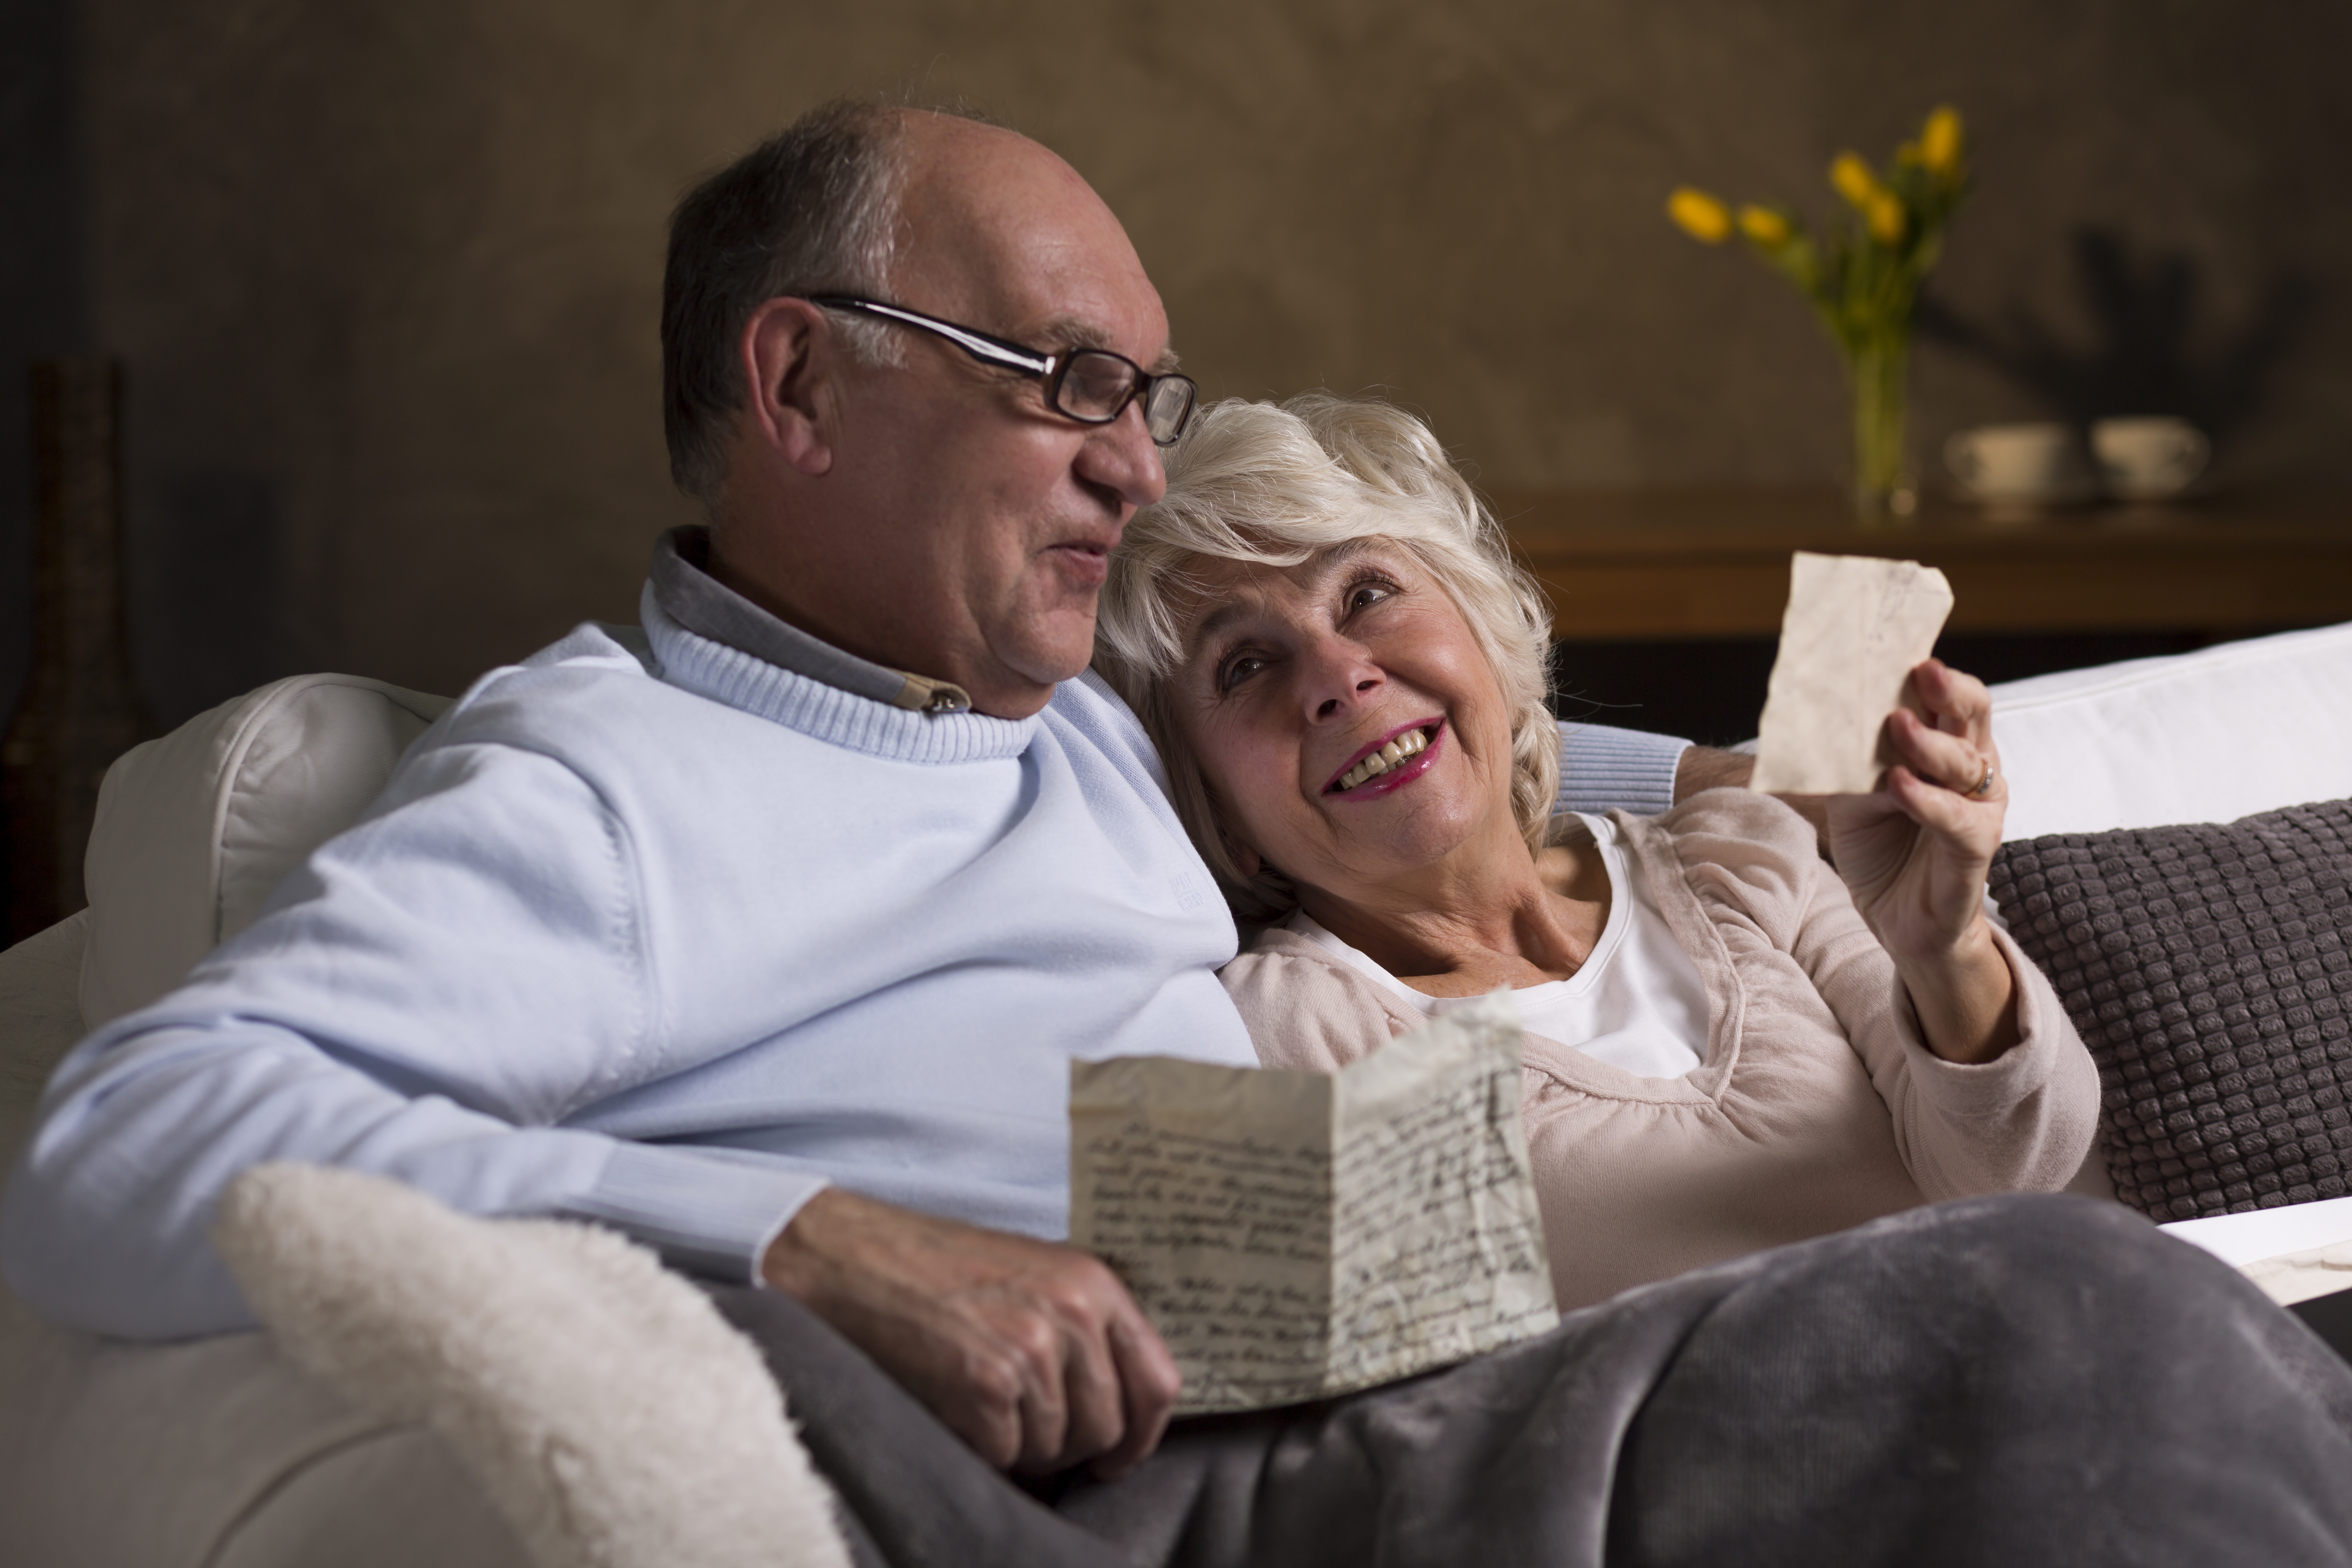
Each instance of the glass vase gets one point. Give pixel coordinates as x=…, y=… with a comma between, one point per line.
x=1878, y=368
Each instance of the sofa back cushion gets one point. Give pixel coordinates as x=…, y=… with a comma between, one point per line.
x=2209, y=736
x=196, y=829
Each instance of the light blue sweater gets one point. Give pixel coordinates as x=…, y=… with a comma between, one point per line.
x=668, y=949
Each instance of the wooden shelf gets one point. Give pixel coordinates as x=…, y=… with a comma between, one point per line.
x=1700, y=563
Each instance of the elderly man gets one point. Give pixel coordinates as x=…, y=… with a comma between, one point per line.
x=768, y=939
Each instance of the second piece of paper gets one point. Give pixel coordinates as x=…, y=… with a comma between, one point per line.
x=1854, y=628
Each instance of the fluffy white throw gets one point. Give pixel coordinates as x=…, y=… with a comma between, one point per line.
x=613, y=1417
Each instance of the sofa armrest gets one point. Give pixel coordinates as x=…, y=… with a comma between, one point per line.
x=40, y=1020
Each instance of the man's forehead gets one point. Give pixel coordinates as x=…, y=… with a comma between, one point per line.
x=997, y=226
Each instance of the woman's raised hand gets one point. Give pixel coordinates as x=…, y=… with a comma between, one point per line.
x=1915, y=854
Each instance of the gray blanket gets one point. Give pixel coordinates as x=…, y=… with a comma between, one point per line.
x=2011, y=1380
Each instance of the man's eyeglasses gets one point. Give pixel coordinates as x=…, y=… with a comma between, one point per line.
x=1089, y=385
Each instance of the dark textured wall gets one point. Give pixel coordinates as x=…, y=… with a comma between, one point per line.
x=41, y=279
x=386, y=274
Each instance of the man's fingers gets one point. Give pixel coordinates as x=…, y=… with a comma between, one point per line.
x=1096, y=1423
x=1037, y=1344
x=1148, y=1375
x=1098, y=1408
x=1121, y=1382
x=981, y=1402
x=1074, y=1410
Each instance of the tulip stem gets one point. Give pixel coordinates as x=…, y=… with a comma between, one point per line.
x=1878, y=365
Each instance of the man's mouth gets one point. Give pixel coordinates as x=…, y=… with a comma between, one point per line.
x=1085, y=562
x=1387, y=756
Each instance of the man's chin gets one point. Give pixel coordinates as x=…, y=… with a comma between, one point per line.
x=1035, y=652
x=1059, y=643
x=1023, y=683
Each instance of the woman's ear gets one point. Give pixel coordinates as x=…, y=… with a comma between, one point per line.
x=788, y=350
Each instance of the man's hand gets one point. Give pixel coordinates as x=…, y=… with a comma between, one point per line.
x=1033, y=1353
x=1704, y=767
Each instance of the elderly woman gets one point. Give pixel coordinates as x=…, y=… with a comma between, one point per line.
x=1728, y=1046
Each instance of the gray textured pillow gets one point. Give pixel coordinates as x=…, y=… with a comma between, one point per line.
x=2208, y=968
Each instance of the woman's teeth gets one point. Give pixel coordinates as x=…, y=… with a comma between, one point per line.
x=1409, y=744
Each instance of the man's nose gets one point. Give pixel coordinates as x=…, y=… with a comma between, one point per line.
x=1338, y=676
x=1119, y=456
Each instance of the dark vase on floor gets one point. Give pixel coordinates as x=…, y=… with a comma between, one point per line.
x=80, y=711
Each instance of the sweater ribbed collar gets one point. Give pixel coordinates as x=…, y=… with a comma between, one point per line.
x=714, y=641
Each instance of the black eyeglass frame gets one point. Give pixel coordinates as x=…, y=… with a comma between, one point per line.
x=1053, y=369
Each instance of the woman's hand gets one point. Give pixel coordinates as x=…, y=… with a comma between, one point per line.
x=1915, y=853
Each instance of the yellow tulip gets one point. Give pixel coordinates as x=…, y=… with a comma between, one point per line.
x=1765, y=226
x=1702, y=216
x=1852, y=178
x=1884, y=215
x=1940, y=140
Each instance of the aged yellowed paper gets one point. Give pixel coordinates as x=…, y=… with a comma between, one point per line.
x=1297, y=1235
x=1854, y=628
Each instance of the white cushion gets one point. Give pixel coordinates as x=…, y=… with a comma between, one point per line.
x=609, y=1412
x=196, y=829
x=2200, y=737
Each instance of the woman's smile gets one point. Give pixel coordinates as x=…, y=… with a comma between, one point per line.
x=1391, y=762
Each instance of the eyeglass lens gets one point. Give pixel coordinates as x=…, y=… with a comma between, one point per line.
x=1168, y=407
x=1098, y=384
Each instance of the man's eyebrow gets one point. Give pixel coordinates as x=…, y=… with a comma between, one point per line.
x=1072, y=332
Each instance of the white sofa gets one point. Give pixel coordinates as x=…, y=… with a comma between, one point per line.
x=220, y=1452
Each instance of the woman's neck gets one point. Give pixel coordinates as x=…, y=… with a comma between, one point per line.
x=1474, y=922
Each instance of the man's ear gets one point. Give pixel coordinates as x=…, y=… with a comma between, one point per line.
x=790, y=356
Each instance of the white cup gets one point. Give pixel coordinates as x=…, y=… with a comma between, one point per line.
x=2017, y=463
x=2148, y=459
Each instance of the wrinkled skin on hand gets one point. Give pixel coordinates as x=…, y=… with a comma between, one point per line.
x=1915, y=854
x=1031, y=1353
x=1916, y=851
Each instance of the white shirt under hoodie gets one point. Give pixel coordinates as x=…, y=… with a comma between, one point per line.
x=667, y=940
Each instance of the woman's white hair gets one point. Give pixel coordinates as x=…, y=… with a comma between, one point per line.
x=1277, y=485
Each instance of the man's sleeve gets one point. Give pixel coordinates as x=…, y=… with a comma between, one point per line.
x=1601, y=768
x=429, y=998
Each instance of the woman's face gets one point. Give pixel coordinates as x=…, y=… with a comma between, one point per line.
x=1348, y=723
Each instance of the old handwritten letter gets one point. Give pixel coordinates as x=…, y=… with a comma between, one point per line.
x=1855, y=627
x=1296, y=1236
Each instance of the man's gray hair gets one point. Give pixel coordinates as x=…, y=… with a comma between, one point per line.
x=1277, y=486
x=811, y=210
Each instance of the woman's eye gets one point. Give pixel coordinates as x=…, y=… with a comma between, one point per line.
x=1238, y=669
x=1364, y=594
